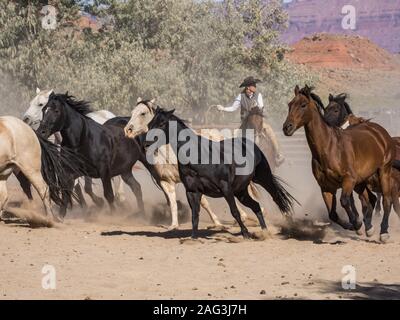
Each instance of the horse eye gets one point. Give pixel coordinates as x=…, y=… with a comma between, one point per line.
x=40, y=104
x=304, y=105
x=143, y=114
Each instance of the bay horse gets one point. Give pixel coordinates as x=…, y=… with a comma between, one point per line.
x=338, y=113
x=38, y=161
x=344, y=159
x=255, y=121
x=106, y=151
x=165, y=169
x=218, y=179
x=33, y=116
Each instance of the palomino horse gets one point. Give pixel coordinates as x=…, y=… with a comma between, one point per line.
x=219, y=179
x=105, y=150
x=165, y=169
x=38, y=160
x=338, y=113
x=33, y=116
x=344, y=159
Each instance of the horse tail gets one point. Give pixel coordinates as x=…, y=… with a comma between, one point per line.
x=273, y=184
x=57, y=169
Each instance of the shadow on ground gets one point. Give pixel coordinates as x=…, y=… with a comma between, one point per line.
x=173, y=234
x=363, y=291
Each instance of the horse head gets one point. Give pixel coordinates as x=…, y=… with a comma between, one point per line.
x=33, y=115
x=301, y=109
x=337, y=110
x=141, y=115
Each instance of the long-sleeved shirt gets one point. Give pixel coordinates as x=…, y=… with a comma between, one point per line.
x=236, y=103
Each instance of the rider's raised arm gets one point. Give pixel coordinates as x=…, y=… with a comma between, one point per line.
x=235, y=105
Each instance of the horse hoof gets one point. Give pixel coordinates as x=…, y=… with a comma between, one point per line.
x=173, y=227
x=384, y=237
x=360, y=232
x=370, y=232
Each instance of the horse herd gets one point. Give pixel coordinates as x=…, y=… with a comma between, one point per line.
x=360, y=158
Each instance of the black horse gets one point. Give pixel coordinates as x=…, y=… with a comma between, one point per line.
x=221, y=179
x=106, y=151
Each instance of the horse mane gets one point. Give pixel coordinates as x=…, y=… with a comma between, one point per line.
x=80, y=106
x=308, y=92
x=172, y=116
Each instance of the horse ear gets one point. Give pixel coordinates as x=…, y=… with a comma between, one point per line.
x=139, y=99
x=297, y=90
x=158, y=109
x=50, y=93
x=170, y=111
x=37, y=90
x=330, y=97
x=152, y=101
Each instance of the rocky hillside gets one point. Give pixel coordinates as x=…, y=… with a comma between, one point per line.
x=376, y=20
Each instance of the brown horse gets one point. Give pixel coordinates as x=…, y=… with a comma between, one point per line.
x=338, y=113
x=255, y=121
x=344, y=159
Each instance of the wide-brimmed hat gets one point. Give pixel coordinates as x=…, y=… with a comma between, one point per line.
x=249, y=81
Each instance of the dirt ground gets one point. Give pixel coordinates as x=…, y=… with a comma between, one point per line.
x=118, y=257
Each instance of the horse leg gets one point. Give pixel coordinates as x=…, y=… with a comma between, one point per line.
x=81, y=198
x=3, y=195
x=205, y=204
x=63, y=208
x=385, y=181
x=330, y=202
x=367, y=199
x=378, y=207
x=194, y=202
x=25, y=184
x=245, y=198
x=108, y=192
x=130, y=180
x=170, y=194
x=118, y=186
x=36, y=179
x=346, y=202
x=230, y=199
x=99, y=202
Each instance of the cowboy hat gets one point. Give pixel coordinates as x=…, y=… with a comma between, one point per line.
x=249, y=81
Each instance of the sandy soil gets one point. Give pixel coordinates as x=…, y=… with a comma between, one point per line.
x=120, y=258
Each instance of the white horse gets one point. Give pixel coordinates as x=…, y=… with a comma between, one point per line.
x=34, y=115
x=166, y=164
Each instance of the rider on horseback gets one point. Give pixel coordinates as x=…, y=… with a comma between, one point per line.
x=248, y=99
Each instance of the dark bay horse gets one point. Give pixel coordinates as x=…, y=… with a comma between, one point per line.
x=106, y=151
x=338, y=113
x=344, y=159
x=216, y=177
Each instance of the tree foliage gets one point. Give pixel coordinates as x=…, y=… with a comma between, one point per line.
x=189, y=54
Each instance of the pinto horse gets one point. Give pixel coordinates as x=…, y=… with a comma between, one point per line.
x=106, y=151
x=344, y=159
x=220, y=178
